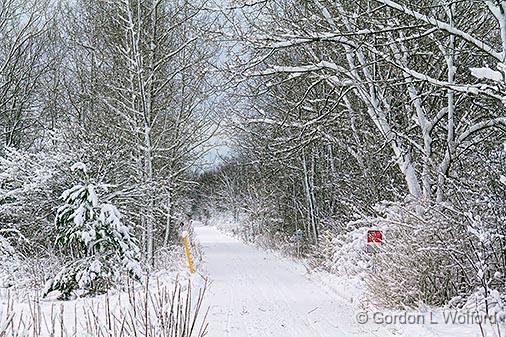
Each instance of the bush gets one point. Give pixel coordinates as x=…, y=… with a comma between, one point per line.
x=436, y=254
x=30, y=184
x=101, y=246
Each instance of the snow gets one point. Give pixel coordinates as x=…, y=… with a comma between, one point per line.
x=487, y=73
x=256, y=293
x=96, y=232
x=96, y=267
x=92, y=196
x=9, y=263
x=110, y=214
x=480, y=43
x=5, y=246
x=88, y=236
x=80, y=215
x=71, y=191
x=71, y=314
x=79, y=167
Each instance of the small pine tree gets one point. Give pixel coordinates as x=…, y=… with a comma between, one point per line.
x=99, y=244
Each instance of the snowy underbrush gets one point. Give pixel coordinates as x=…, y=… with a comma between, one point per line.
x=433, y=256
x=27, y=273
x=437, y=256
x=345, y=253
x=265, y=234
x=158, y=308
x=24, y=273
x=277, y=241
x=9, y=263
x=21, y=277
x=173, y=259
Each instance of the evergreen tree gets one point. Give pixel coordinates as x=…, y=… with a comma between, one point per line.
x=98, y=243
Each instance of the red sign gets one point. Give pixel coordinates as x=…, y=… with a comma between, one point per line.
x=374, y=236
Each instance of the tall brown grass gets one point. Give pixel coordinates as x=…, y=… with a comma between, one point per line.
x=155, y=310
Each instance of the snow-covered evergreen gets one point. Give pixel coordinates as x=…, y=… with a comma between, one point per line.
x=100, y=246
x=340, y=117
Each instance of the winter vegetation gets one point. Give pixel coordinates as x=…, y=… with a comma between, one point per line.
x=338, y=116
x=158, y=310
x=103, y=117
x=372, y=114
x=104, y=113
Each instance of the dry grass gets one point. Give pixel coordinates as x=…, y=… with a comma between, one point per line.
x=152, y=311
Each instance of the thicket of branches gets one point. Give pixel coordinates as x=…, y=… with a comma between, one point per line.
x=346, y=104
x=122, y=86
x=343, y=115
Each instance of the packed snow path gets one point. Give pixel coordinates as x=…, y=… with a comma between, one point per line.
x=253, y=293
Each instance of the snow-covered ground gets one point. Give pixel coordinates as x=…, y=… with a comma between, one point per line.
x=254, y=293
x=257, y=293
x=120, y=313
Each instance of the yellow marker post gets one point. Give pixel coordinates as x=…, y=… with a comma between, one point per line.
x=186, y=243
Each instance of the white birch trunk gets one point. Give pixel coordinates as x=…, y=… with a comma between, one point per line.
x=450, y=139
x=367, y=92
x=309, y=190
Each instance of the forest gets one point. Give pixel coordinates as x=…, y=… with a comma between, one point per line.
x=295, y=125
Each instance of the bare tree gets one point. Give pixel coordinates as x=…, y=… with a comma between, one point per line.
x=147, y=81
x=23, y=63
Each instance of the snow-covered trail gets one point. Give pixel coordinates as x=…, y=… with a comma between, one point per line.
x=255, y=294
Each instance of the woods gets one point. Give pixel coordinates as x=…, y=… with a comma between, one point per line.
x=338, y=116
x=121, y=86
x=373, y=113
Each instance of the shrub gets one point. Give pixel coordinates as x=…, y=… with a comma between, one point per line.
x=101, y=246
